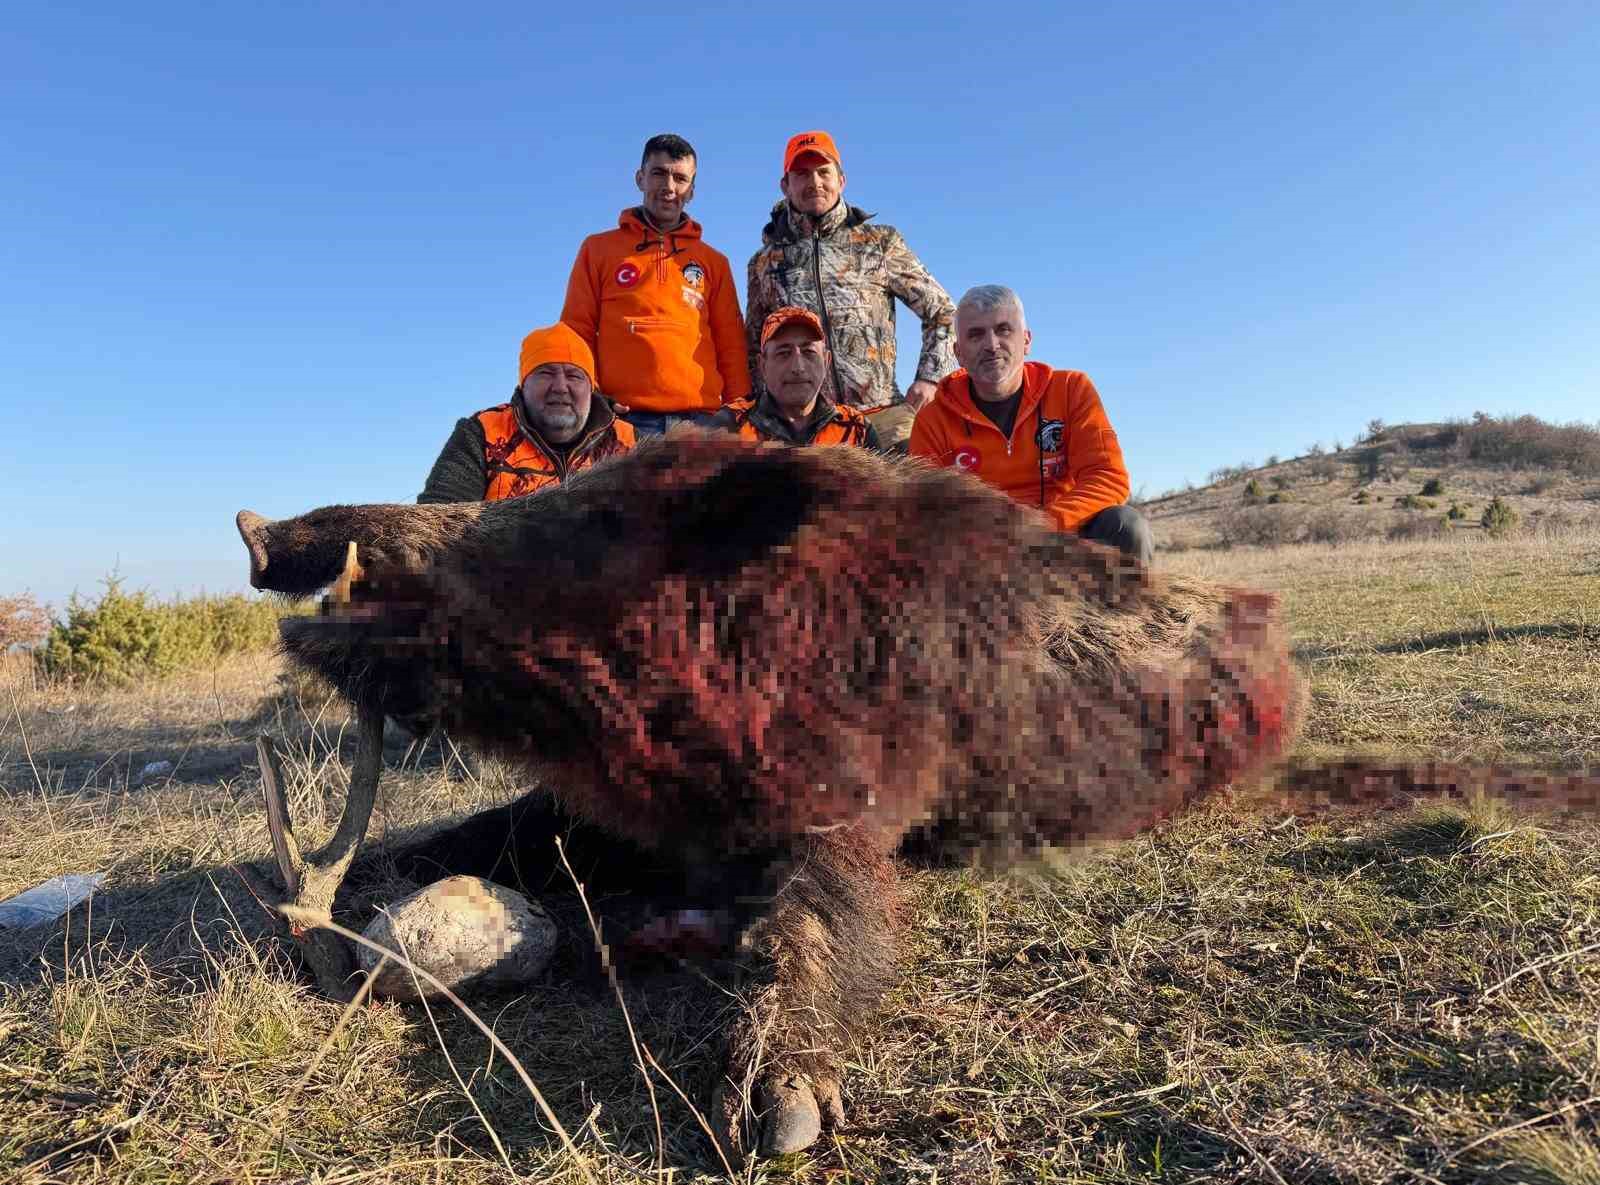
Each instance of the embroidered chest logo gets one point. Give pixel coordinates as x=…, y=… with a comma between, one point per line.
x=694, y=275
x=965, y=458
x=1048, y=438
x=627, y=275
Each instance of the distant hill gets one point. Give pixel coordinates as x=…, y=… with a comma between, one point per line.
x=1399, y=481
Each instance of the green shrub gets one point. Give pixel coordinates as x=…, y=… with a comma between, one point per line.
x=1499, y=518
x=1279, y=496
x=125, y=635
x=1432, y=488
x=1252, y=489
x=1415, y=502
x=1455, y=513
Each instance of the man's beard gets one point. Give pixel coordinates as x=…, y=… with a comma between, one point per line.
x=559, y=420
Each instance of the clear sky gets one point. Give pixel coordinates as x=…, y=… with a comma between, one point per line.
x=266, y=255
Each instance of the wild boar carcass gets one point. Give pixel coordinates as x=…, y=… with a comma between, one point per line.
x=773, y=666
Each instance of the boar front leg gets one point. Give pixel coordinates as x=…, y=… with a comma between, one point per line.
x=824, y=956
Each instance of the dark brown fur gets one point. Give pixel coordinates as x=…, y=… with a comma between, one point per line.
x=750, y=658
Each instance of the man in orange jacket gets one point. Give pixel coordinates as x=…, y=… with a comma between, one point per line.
x=656, y=305
x=1039, y=434
x=554, y=425
x=792, y=408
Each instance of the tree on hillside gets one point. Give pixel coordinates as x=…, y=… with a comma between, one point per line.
x=23, y=621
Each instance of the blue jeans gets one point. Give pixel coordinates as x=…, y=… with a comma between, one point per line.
x=655, y=423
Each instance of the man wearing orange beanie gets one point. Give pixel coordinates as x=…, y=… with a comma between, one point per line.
x=657, y=304
x=554, y=425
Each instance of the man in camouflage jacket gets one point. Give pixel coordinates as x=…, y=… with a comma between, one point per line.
x=821, y=254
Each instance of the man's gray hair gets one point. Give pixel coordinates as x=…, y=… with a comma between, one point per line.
x=986, y=298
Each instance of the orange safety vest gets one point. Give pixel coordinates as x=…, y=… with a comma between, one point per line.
x=519, y=462
x=844, y=426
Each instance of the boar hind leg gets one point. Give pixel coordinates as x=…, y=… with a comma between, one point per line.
x=823, y=957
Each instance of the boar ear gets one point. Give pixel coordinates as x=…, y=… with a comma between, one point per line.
x=744, y=510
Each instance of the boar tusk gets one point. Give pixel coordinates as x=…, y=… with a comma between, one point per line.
x=339, y=594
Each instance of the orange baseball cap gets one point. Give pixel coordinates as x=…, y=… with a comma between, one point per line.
x=804, y=142
x=791, y=315
x=555, y=343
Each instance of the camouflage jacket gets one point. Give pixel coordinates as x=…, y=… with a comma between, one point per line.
x=849, y=273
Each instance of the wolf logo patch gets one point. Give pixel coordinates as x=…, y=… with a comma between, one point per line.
x=1048, y=438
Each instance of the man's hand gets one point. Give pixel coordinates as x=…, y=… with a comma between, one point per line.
x=920, y=393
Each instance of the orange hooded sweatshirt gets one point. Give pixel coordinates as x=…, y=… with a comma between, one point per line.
x=1062, y=456
x=660, y=312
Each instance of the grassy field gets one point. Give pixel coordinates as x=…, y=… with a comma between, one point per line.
x=1244, y=994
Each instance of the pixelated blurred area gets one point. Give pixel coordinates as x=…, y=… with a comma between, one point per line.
x=751, y=681
x=716, y=646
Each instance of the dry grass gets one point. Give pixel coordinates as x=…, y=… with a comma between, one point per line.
x=1409, y=997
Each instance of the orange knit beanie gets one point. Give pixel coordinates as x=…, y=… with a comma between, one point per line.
x=555, y=343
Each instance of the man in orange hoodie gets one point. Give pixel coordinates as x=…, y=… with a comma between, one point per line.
x=656, y=305
x=554, y=425
x=1039, y=434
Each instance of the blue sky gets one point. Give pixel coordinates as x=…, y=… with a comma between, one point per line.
x=265, y=256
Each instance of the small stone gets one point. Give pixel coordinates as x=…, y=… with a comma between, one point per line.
x=466, y=932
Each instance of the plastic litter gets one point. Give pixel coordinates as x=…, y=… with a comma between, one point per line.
x=46, y=902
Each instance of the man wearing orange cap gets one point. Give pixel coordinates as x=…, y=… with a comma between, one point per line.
x=554, y=425
x=657, y=305
x=820, y=253
x=1039, y=434
x=791, y=407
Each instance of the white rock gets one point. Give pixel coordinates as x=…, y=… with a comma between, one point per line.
x=464, y=931
x=155, y=769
